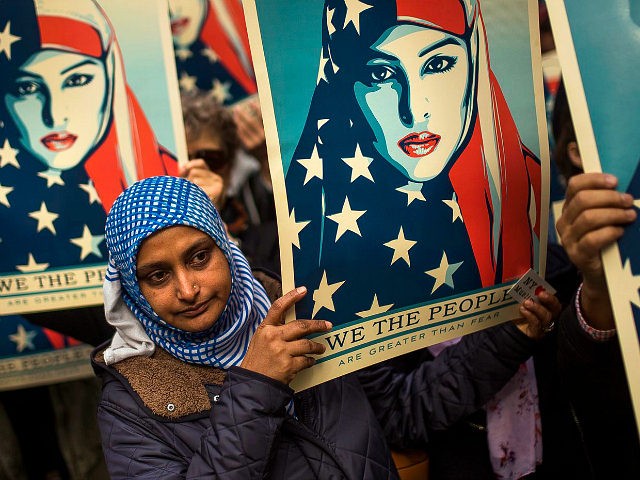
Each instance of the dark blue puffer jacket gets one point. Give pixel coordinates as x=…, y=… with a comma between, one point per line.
x=162, y=418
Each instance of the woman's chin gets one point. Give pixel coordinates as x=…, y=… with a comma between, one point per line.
x=62, y=163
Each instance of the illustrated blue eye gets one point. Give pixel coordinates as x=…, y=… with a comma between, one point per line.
x=439, y=64
x=380, y=73
x=27, y=87
x=78, y=80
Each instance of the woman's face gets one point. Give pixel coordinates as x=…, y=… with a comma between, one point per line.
x=187, y=17
x=184, y=276
x=58, y=102
x=414, y=94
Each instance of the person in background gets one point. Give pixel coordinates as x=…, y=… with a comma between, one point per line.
x=594, y=217
x=253, y=188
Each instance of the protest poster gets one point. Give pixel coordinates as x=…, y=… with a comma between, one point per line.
x=601, y=80
x=409, y=170
x=88, y=105
x=212, y=49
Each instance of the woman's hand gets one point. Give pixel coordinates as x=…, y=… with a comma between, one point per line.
x=248, y=118
x=538, y=318
x=594, y=217
x=196, y=171
x=279, y=350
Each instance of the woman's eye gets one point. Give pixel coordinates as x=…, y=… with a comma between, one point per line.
x=200, y=258
x=78, y=80
x=27, y=87
x=156, y=278
x=439, y=64
x=380, y=73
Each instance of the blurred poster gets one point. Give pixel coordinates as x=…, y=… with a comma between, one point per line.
x=31, y=355
x=602, y=81
x=212, y=48
x=409, y=155
x=88, y=105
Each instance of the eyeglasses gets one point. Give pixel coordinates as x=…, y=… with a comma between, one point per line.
x=216, y=160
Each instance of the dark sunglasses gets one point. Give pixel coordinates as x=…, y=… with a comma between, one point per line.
x=216, y=160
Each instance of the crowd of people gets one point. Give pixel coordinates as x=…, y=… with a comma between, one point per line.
x=195, y=361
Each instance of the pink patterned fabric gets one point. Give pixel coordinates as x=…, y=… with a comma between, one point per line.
x=513, y=426
x=514, y=432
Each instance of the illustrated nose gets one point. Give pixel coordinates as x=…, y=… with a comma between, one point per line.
x=54, y=112
x=413, y=107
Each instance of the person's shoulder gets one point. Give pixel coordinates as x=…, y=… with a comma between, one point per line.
x=270, y=281
x=161, y=386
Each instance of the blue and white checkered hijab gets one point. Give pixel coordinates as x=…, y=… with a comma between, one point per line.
x=142, y=209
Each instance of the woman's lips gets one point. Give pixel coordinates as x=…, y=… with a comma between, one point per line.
x=178, y=25
x=419, y=144
x=59, y=141
x=196, y=310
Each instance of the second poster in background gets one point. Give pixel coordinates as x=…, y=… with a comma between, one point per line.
x=88, y=105
x=409, y=158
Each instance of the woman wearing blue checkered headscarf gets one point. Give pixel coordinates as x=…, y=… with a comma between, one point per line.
x=195, y=380
x=142, y=210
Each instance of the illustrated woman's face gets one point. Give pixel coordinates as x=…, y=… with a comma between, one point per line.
x=184, y=276
x=414, y=95
x=58, y=103
x=187, y=17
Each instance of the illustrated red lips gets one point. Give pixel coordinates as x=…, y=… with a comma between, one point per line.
x=196, y=310
x=419, y=144
x=178, y=25
x=59, y=141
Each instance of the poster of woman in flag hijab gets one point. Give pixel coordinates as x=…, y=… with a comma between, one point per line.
x=212, y=48
x=409, y=157
x=88, y=105
x=602, y=89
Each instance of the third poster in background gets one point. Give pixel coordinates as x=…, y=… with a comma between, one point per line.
x=601, y=73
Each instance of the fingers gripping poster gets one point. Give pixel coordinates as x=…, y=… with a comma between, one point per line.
x=602, y=89
x=409, y=156
x=88, y=105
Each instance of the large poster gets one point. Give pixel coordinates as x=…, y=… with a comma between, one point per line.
x=212, y=48
x=88, y=105
x=409, y=157
x=602, y=78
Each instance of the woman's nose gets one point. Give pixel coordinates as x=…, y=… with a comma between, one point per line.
x=54, y=112
x=414, y=106
x=187, y=288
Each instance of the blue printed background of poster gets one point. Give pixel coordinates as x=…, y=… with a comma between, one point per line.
x=602, y=78
x=410, y=172
x=88, y=105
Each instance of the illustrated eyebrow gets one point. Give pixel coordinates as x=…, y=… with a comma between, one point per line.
x=79, y=64
x=23, y=73
x=439, y=44
x=383, y=55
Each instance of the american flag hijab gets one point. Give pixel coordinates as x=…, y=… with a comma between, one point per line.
x=151, y=205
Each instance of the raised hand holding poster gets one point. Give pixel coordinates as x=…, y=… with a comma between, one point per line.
x=410, y=171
